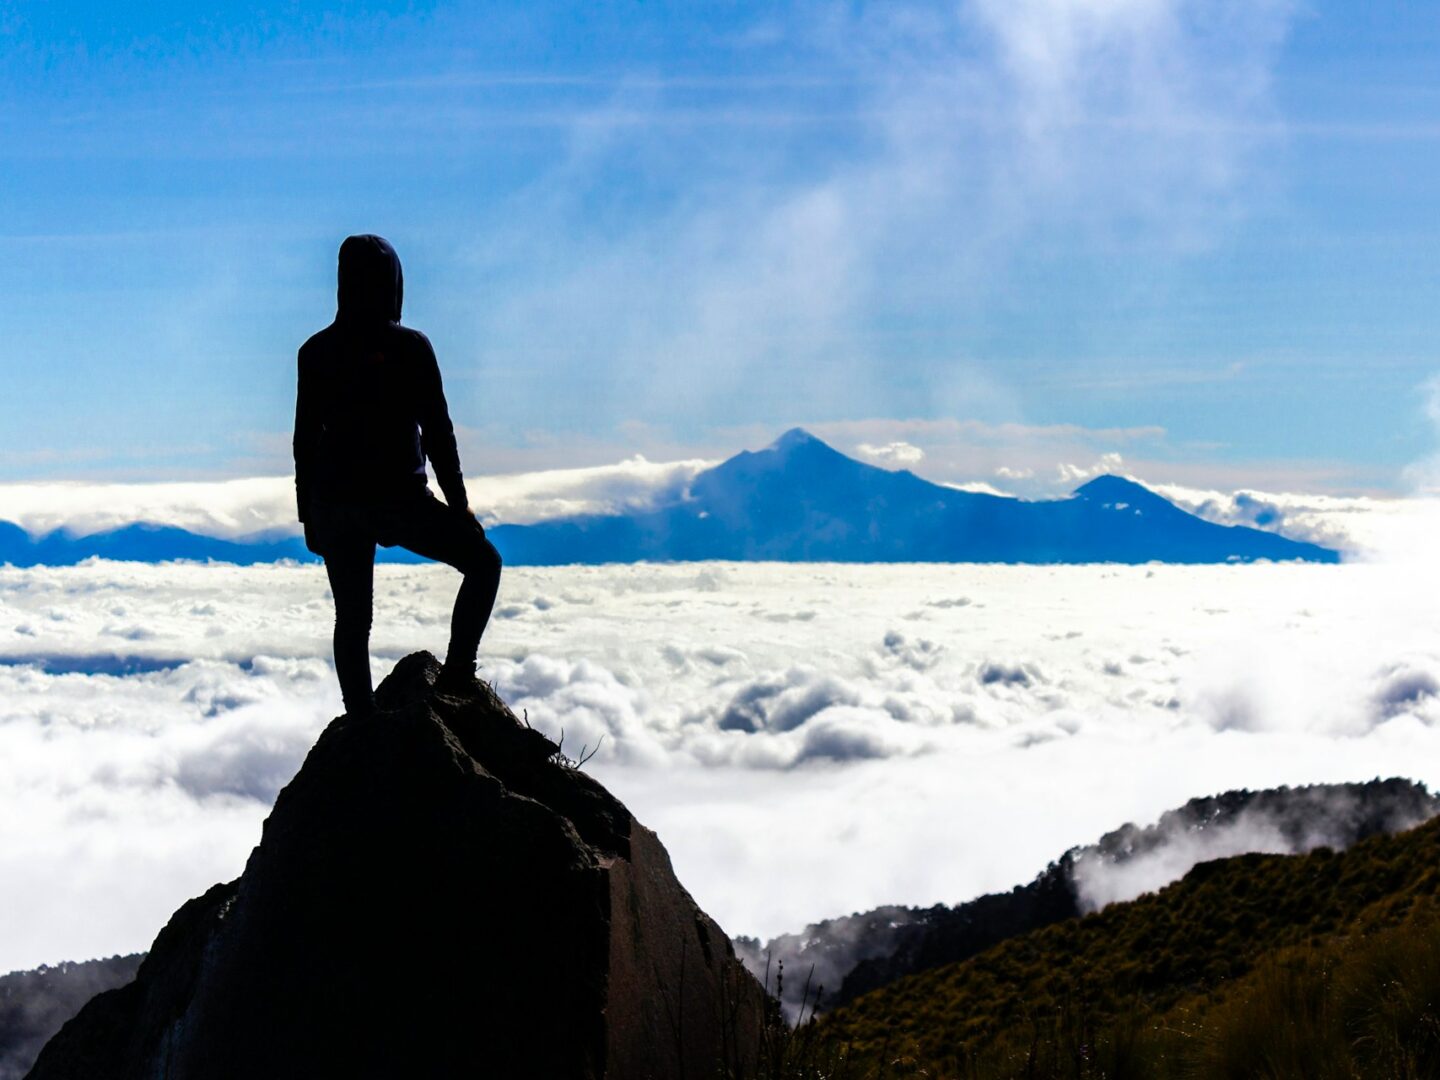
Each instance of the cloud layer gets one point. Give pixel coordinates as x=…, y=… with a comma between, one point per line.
x=808, y=740
x=266, y=505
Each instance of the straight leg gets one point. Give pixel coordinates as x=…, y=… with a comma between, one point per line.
x=350, y=565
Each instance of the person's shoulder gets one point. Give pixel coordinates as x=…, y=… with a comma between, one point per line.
x=411, y=338
x=318, y=342
x=413, y=345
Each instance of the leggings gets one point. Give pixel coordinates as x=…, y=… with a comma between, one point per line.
x=428, y=528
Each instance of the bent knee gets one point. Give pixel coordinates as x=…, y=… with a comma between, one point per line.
x=481, y=559
x=489, y=558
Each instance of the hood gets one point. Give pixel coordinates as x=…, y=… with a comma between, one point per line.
x=371, y=284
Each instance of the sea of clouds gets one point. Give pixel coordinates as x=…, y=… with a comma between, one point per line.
x=808, y=740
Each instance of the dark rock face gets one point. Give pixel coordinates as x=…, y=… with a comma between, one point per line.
x=434, y=895
x=33, y=1004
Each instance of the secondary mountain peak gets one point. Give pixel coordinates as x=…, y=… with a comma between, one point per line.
x=1111, y=488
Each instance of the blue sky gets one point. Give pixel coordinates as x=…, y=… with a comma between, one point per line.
x=673, y=228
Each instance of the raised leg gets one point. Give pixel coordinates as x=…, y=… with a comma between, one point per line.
x=436, y=532
x=473, y=605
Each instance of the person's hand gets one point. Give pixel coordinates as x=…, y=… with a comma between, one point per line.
x=464, y=514
x=312, y=539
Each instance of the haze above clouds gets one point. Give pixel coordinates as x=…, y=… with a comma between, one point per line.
x=654, y=227
x=807, y=740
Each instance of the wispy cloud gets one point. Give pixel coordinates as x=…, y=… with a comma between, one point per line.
x=979, y=130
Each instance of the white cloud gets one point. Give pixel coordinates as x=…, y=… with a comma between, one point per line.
x=238, y=508
x=1071, y=475
x=1168, y=850
x=1383, y=529
x=1424, y=475
x=1099, y=883
x=892, y=453
x=807, y=740
x=980, y=487
x=1033, y=460
x=219, y=508
x=634, y=484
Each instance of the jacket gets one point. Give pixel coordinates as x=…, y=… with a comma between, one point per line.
x=370, y=406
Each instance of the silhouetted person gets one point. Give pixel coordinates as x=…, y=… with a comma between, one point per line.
x=369, y=410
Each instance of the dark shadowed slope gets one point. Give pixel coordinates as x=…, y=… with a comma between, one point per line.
x=798, y=500
x=856, y=953
x=140, y=543
x=435, y=894
x=33, y=1004
x=157, y=543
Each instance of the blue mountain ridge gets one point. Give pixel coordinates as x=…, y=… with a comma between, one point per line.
x=797, y=500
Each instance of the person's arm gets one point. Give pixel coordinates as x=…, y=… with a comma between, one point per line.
x=437, y=433
x=308, y=429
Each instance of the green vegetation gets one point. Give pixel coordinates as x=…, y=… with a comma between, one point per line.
x=1318, y=966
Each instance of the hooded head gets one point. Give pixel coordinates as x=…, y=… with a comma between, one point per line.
x=371, y=285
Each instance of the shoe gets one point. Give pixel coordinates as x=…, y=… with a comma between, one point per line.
x=457, y=681
x=363, y=708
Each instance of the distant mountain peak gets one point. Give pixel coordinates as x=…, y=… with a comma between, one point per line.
x=794, y=439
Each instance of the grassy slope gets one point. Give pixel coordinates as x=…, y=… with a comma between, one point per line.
x=1102, y=985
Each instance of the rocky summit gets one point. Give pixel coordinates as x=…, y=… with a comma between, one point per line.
x=437, y=893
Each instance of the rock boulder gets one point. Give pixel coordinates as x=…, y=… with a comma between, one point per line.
x=435, y=894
